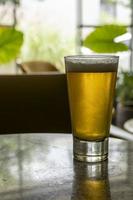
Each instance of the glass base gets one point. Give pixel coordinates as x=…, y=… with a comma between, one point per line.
x=90, y=151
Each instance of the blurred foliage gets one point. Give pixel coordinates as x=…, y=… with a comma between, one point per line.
x=47, y=45
x=127, y=3
x=12, y=1
x=125, y=88
x=10, y=43
x=101, y=40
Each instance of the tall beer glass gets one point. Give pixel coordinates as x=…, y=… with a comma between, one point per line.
x=91, y=84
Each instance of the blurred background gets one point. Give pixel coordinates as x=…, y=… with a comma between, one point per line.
x=35, y=35
x=48, y=27
x=55, y=28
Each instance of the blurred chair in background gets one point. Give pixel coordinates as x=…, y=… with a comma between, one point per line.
x=36, y=67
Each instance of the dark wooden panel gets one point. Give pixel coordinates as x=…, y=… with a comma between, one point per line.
x=34, y=103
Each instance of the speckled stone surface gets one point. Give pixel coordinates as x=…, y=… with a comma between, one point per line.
x=41, y=167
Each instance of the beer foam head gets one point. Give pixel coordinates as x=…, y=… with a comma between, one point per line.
x=85, y=63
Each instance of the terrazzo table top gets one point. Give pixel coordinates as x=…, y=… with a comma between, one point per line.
x=41, y=167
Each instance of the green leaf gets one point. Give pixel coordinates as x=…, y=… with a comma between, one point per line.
x=101, y=40
x=10, y=42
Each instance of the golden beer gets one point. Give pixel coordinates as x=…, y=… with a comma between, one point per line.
x=92, y=190
x=91, y=96
x=91, y=84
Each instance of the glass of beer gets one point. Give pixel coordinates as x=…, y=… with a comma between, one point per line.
x=91, y=85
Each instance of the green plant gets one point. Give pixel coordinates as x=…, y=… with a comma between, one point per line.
x=102, y=39
x=10, y=42
x=125, y=89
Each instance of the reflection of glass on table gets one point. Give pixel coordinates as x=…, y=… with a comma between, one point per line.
x=91, y=182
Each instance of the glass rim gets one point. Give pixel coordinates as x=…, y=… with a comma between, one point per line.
x=87, y=57
x=91, y=63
